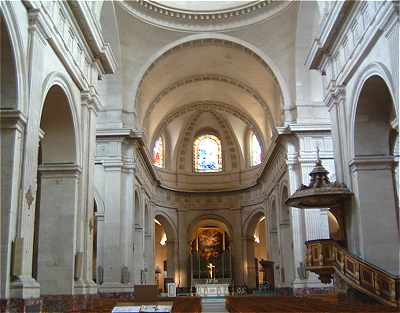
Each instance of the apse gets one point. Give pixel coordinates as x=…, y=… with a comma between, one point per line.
x=224, y=92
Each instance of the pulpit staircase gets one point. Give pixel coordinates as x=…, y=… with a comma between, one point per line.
x=326, y=257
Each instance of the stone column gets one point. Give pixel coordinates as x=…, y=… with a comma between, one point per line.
x=287, y=254
x=148, y=251
x=249, y=265
x=117, y=245
x=100, y=248
x=57, y=231
x=84, y=283
x=24, y=286
x=171, y=247
x=12, y=124
x=183, y=251
x=149, y=258
x=138, y=238
x=335, y=103
x=237, y=250
x=275, y=254
x=311, y=223
x=297, y=215
x=375, y=212
x=138, y=255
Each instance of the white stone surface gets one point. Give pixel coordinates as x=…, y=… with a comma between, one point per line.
x=124, y=80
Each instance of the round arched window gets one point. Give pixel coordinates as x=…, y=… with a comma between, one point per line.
x=207, y=154
x=158, y=152
x=255, y=150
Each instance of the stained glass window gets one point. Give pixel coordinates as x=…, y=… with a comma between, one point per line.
x=255, y=150
x=158, y=152
x=207, y=154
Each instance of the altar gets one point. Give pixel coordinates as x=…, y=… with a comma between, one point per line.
x=212, y=289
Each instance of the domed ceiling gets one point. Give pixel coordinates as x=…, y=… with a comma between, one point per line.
x=200, y=16
x=203, y=6
x=209, y=71
x=196, y=87
x=208, y=85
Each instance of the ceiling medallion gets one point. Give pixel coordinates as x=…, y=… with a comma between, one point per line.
x=224, y=18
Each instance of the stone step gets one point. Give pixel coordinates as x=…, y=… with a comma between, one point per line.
x=215, y=305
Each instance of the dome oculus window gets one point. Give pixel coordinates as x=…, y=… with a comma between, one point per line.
x=158, y=152
x=207, y=154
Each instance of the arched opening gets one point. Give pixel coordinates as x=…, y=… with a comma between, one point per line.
x=258, y=270
x=8, y=73
x=159, y=152
x=10, y=145
x=212, y=91
x=147, y=226
x=93, y=225
x=207, y=154
x=286, y=242
x=148, y=252
x=57, y=198
x=255, y=151
x=165, y=252
x=210, y=251
x=374, y=164
x=138, y=246
x=335, y=231
x=275, y=252
x=138, y=213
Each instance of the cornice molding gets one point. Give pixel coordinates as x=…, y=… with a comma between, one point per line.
x=12, y=119
x=199, y=21
x=92, y=99
x=138, y=139
x=60, y=170
x=93, y=33
x=370, y=163
x=329, y=30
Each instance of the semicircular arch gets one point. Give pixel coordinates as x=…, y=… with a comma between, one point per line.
x=227, y=40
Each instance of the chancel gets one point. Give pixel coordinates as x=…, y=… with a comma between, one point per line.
x=211, y=156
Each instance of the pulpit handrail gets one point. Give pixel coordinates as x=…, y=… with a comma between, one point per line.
x=359, y=259
x=326, y=256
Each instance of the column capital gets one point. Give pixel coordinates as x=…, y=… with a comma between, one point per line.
x=60, y=170
x=334, y=96
x=371, y=163
x=38, y=24
x=91, y=99
x=13, y=119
